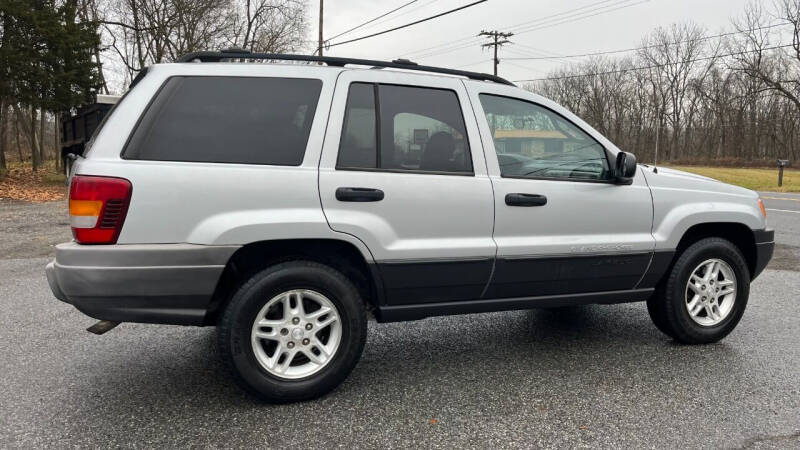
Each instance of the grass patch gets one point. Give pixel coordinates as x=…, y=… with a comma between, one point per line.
x=755, y=179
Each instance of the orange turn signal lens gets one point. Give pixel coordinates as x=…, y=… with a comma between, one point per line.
x=85, y=207
x=763, y=210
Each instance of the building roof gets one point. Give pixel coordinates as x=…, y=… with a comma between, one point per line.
x=520, y=134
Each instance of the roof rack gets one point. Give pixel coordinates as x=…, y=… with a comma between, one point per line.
x=240, y=54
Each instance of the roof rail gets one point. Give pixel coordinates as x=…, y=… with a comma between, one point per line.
x=240, y=54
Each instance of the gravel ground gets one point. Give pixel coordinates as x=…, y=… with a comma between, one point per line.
x=599, y=376
x=30, y=230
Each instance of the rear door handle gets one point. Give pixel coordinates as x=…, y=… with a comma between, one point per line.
x=358, y=194
x=519, y=199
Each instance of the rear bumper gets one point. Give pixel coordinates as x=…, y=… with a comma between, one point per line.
x=153, y=283
x=765, y=246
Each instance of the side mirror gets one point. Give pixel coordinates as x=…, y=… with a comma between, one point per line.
x=625, y=168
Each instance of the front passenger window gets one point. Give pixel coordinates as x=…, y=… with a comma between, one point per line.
x=534, y=142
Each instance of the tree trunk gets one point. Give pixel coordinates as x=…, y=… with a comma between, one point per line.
x=57, y=141
x=42, y=152
x=32, y=139
x=3, y=117
x=17, y=138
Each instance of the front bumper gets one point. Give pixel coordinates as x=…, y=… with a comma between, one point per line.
x=765, y=246
x=150, y=283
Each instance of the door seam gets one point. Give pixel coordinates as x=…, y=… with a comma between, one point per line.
x=491, y=184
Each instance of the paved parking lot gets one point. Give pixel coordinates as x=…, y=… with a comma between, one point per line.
x=587, y=377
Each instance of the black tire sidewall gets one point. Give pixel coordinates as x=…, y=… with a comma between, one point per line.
x=240, y=315
x=677, y=316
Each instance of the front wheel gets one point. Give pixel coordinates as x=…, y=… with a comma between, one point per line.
x=293, y=332
x=704, y=295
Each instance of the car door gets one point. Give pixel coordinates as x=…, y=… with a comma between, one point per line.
x=403, y=171
x=562, y=224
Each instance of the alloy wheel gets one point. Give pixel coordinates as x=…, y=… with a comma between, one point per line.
x=296, y=334
x=711, y=292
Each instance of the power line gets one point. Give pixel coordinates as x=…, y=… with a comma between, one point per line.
x=373, y=19
x=544, y=22
x=446, y=44
x=609, y=52
x=552, y=16
x=472, y=41
x=473, y=38
x=469, y=44
x=576, y=17
x=519, y=50
x=473, y=63
x=409, y=24
x=654, y=66
x=402, y=14
x=535, y=50
x=523, y=67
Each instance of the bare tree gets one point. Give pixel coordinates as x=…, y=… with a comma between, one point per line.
x=682, y=93
x=271, y=26
x=761, y=53
x=142, y=32
x=3, y=120
x=671, y=55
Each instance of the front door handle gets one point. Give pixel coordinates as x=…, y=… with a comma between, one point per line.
x=519, y=199
x=358, y=194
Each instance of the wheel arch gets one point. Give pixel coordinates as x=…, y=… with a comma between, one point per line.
x=339, y=254
x=738, y=234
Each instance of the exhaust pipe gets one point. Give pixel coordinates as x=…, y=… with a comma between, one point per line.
x=102, y=327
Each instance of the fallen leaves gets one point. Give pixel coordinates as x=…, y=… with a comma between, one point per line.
x=22, y=183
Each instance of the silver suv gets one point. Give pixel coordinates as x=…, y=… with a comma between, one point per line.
x=284, y=203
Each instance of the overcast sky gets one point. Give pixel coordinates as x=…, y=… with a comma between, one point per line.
x=609, y=25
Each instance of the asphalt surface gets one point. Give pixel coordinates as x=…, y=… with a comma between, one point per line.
x=599, y=376
x=783, y=214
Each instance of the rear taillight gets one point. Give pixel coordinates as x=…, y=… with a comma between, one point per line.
x=97, y=208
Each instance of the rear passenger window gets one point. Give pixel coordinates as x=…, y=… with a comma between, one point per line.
x=228, y=120
x=421, y=130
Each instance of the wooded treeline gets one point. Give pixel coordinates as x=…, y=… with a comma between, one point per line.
x=699, y=97
x=56, y=55
x=696, y=96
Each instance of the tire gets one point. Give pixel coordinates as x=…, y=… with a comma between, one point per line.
x=657, y=319
x=246, y=355
x=669, y=307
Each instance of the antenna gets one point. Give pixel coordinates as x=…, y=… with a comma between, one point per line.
x=655, y=159
x=658, y=128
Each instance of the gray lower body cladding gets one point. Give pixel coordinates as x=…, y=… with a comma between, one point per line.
x=161, y=283
x=174, y=283
x=765, y=247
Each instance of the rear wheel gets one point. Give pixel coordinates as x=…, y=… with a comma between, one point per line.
x=704, y=295
x=293, y=332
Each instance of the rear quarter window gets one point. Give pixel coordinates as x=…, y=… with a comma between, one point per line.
x=228, y=120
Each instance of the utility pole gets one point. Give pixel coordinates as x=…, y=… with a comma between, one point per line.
x=498, y=38
x=321, y=41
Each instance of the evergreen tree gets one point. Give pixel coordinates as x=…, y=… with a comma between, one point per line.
x=46, y=60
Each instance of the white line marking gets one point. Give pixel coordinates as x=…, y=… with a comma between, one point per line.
x=784, y=210
x=783, y=198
